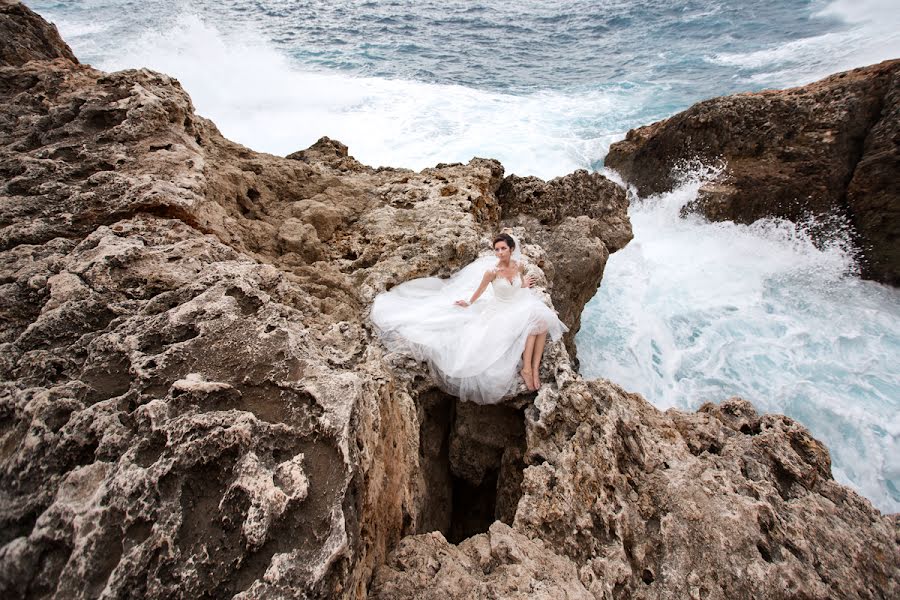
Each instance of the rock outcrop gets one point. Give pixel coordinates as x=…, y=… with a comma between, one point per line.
x=627, y=502
x=194, y=405
x=501, y=563
x=25, y=36
x=826, y=153
x=192, y=401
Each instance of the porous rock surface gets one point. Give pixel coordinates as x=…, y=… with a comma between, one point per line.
x=193, y=404
x=24, y=36
x=825, y=154
x=719, y=504
x=501, y=563
x=192, y=400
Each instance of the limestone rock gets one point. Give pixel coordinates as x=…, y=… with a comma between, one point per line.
x=329, y=152
x=874, y=192
x=578, y=194
x=194, y=405
x=25, y=36
x=722, y=503
x=498, y=564
x=193, y=401
x=190, y=378
x=822, y=152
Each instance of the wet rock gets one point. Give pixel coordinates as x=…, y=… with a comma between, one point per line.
x=873, y=193
x=819, y=153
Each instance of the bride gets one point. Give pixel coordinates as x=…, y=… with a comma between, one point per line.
x=474, y=347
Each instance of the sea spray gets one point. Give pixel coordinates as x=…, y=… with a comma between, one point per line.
x=232, y=78
x=545, y=87
x=692, y=311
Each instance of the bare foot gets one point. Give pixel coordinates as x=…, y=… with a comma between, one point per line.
x=529, y=380
x=537, y=379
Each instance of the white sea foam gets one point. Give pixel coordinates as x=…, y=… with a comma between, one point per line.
x=259, y=98
x=693, y=311
x=861, y=11
x=73, y=30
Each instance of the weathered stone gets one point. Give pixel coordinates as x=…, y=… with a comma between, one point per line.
x=874, y=192
x=721, y=503
x=501, y=563
x=578, y=194
x=24, y=36
x=194, y=405
x=717, y=504
x=329, y=152
x=185, y=320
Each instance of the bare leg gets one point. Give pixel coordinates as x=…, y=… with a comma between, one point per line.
x=538, y=352
x=527, y=362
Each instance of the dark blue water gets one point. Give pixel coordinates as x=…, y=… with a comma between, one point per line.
x=689, y=311
x=501, y=46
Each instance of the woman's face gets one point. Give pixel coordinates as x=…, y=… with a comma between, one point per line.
x=501, y=250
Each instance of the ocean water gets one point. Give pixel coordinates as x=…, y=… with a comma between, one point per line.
x=690, y=311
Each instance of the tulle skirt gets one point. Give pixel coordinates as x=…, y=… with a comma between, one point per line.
x=474, y=353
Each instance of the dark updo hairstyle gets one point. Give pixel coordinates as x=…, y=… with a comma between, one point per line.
x=504, y=237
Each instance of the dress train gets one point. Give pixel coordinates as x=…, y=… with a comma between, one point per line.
x=474, y=353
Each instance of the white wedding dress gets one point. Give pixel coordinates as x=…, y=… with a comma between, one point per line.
x=474, y=353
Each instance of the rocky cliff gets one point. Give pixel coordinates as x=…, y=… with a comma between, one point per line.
x=826, y=153
x=192, y=402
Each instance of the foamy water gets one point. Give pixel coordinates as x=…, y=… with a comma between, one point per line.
x=692, y=312
x=689, y=311
x=411, y=124
x=256, y=69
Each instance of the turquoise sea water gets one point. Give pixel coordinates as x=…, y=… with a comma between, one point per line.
x=688, y=312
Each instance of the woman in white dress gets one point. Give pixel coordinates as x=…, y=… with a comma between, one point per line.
x=476, y=347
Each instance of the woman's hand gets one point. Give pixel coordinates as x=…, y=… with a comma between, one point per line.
x=528, y=281
x=462, y=303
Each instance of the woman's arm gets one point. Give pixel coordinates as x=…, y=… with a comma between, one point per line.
x=488, y=277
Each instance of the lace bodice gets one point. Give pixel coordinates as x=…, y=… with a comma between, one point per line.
x=504, y=290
